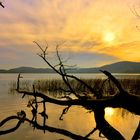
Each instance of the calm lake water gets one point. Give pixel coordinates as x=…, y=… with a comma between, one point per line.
x=77, y=120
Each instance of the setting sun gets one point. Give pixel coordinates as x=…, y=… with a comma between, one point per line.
x=109, y=37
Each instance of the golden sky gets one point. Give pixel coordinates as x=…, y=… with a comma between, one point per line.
x=102, y=31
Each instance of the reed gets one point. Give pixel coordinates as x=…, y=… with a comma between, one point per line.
x=58, y=87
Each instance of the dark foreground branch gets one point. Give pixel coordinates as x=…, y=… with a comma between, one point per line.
x=128, y=102
x=1, y=4
x=38, y=126
x=97, y=105
x=3, y=132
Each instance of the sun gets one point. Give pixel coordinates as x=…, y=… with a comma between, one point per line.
x=109, y=37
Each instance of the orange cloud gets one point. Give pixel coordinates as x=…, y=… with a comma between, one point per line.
x=83, y=24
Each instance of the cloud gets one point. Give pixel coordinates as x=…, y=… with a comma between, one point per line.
x=82, y=24
x=127, y=51
x=89, y=59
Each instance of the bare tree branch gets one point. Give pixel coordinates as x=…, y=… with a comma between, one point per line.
x=1, y=4
x=38, y=126
x=96, y=103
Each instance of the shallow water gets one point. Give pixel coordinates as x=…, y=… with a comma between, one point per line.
x=77, y=120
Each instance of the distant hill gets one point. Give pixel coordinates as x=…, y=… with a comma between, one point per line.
x=30, y=70
x=123, y=67
x=119, y=67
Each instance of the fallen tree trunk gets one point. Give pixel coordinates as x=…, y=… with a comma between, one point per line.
x=96, y=104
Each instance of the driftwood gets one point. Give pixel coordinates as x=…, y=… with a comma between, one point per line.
x=96, y=103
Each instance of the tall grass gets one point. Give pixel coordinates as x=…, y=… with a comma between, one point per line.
x=58, y=87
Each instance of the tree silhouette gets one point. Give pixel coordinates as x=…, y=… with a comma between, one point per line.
x=1, y=4
x=96, y=102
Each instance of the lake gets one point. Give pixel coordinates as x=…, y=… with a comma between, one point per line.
x=77, y=120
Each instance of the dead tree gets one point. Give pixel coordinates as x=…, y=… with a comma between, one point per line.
x=95, y=103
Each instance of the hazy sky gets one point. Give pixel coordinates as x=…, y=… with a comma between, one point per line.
x=96, y=32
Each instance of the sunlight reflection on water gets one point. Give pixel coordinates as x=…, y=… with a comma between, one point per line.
x=123, y=121
x=76, y=120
